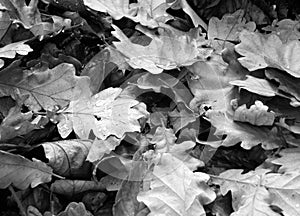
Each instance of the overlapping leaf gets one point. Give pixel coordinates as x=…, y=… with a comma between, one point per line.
x=11, y=50
x=260, y=51
x=103, y=113
x=167, y=51
x=286, y=29
x=43, y=89
x=229, y=27
x=175, y=190
x=257, y=114
x=66, y=157
x=148, y=13
x=254, y=192
x=248, y=135
x=21, y=172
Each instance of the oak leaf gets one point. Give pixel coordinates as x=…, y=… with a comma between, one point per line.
x=260, y=51
x=21, y=172
x=103, y=113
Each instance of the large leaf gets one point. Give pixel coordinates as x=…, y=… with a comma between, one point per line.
x=103, y=113
x=175, y=190
x=169, y=50
x=148, y=13
x=21, y=172
x=44, y=89
x=248, y=135
x=259, y=51
x=254, y=192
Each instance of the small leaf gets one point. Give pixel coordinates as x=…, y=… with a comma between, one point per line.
x=11, y=50
x=256, y=85
x=257, y=114
x=21, y=172
x=75, y=209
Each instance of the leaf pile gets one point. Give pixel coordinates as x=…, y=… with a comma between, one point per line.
x=135, y=108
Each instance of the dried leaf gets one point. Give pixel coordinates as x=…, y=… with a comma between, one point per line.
x=101, y=147
x=104, y=113
x=21, y=172
x=289, y=160
x=11, y=50
x=257, y=114
x=286, y=82
x=259, y=52
x=248, y=135
x=71, y=188
x=44, y=89
x=181, y=117
x=16, y=123
x=256, y=85
x=163, y=139
x=176, y=190
x=229, y=27
x=286, y=29
x=147, y=13
x=4, y=23
x=255, y=191
x=75, y=209
x=66, y=157
x=167, y=51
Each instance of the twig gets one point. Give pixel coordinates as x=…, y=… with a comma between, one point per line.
x=18, y=201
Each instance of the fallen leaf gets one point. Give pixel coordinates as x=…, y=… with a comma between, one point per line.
x=257, y=85
x=165, y=52
x=289, y=160
x=248, y=135
x=257, y=114
x=12, y=49
x=254, y=192
x=101, y=147
x=286, y=82
x=229, y=27
x=20, y=172
x=71, y=188
x=67, y=157
x=104, y=113
x=4, y=23
x=286, y=29
x=44, y=89
x=75, y=209
x=175, y=190
x=260, y=51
